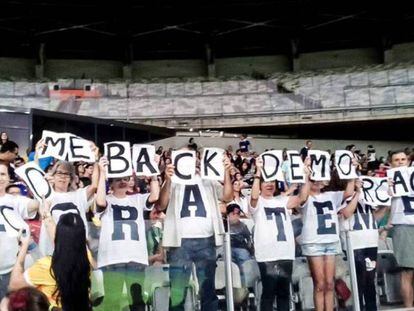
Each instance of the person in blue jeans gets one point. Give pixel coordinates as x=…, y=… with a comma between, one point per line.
x=192, y=230
x=240, y=236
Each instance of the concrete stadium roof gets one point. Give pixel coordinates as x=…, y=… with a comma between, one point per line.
x=128, y=30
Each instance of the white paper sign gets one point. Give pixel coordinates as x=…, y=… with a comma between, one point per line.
x=375, y=191
x=79, y=149
x=403, y=180
x=343, y=164
x=143, y=158
x=296, y=172
x=12, y=222
x=55, y=145
x=34, y=178
x=118, y=154
x=320, y=165
x=272, y=165
x=184, y=162
x=212, y=166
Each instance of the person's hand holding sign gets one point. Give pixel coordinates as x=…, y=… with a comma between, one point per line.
x=169, y=171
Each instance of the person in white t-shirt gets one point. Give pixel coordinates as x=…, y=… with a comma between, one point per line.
x=65, y=199
x=11, y=208
x=402, y=221
x=274, y=241
x=122, y=253
x=320, y=239
x=360, y=220
x=192, y=229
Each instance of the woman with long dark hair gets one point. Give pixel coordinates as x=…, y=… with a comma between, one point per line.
x=63, y=277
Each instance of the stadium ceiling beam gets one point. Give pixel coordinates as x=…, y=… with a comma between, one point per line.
x=333, y=21
x=72, y=27
x=180, y=27
x=372, y=19
x=248, y=26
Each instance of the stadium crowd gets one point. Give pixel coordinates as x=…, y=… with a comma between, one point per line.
x=120, y=226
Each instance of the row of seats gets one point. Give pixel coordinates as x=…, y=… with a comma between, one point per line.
x=132, y=90
x=247, y=286
x=369, y=75
x=162, y=107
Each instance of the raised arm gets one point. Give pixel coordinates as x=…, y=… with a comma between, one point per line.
x=40, y=145
x=349, y=190
x=164, y=197
x=254, y=195
x=101, y=191
x=154, y=190
x=349, y=210
x=350, y=186
x=228, y=188
x=17, y=280
x=47, y=220
x=298, y=200
x=32, y=206
x=90, y=191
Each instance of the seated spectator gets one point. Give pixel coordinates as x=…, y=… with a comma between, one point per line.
x=240, y=237
x=25, y=299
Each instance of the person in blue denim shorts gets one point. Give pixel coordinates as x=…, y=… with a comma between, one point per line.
x=320, y=239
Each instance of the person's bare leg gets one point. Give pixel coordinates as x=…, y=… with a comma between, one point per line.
x=407, y=288
x=329, y=267
x=316, y=264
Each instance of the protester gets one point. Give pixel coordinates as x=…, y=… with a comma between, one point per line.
x=191, y=234
x=66, y=198
x=122, y=253
x=320, y=239
x=19, y=207
x=360, y=220
x=187, y=236
x=274, y=241
x=402, y=220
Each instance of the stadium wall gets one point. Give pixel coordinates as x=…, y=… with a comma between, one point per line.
x=18, y=68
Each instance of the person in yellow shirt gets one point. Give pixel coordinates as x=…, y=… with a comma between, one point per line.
x=63, y=277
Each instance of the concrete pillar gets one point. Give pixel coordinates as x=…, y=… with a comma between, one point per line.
x=296, y=64
x=39, y=71
x=388, y=56
x=127, y=72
